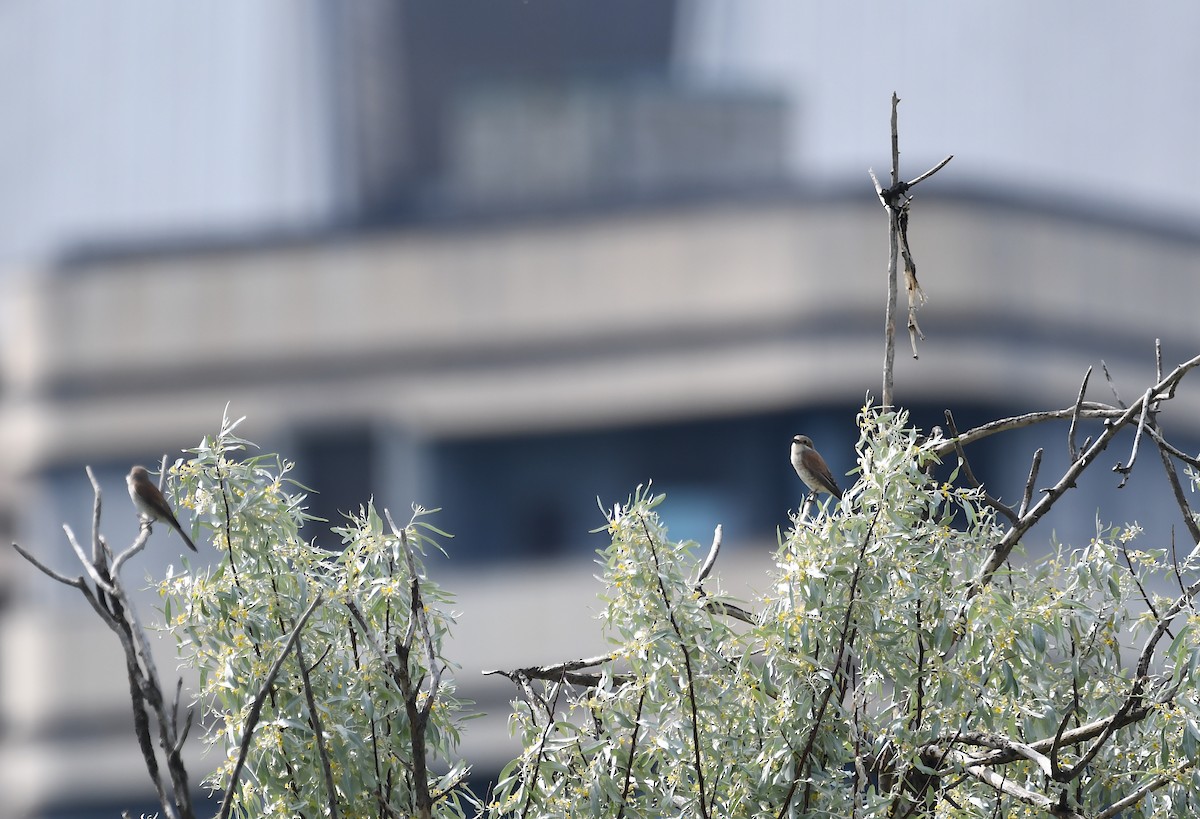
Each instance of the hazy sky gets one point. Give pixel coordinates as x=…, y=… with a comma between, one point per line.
x=136, y=115
x=1097, y=99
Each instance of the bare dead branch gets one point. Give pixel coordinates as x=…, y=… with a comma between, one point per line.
x=1154, y=432
x=1089, y=410
x=1003, y=784
x=1002, y=549
x=570, y=665
x=718, y=606
x=1185, y=508
x=914, y=182
x=151, y=691
x=111, y=603
x=895, y=200
x=138, y=545
x=77, y=581
x=1141, y=793
x=89, y=567
x=1003, y=752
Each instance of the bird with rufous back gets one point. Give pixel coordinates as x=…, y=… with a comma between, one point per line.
x=811, y=467
x=150, y=503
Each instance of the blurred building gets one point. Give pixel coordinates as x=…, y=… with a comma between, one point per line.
x=532, y=268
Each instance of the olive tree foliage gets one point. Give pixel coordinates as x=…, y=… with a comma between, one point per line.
x=879, y=676
x=323, y=686
x=893, y=668
x=360, y=719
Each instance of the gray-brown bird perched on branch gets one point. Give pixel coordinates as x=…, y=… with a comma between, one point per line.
x=150, y=502
x=811, y=467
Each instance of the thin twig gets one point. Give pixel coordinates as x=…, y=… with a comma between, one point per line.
x=969, y=474
x=537, y=760
x=1133, y=700
x=256, y=705
x=1126, y=469
x=1072, y=450
x=843, y=646
x=370, y=638
x=419, y=614
x=687, y=665
x=1029, y=483
x=637, y=725
x=187, y=725
x=1112, y=385
x=1142, y=589
x=314, y=716
x=1185, y=508
x=889, y=346
x=1175, y=564
x=1056, y=771
x=913, y=182
x=97, y=548
x=418, y=715
x=711, y=560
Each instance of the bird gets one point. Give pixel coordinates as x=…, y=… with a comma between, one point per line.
x=811, y=467
x=151, y=504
